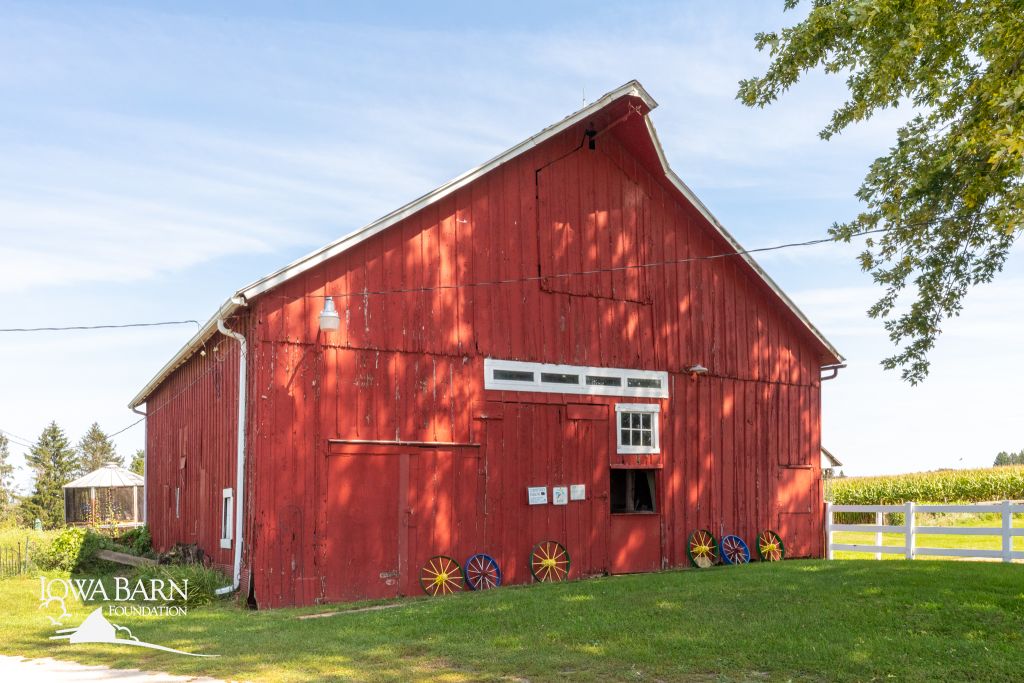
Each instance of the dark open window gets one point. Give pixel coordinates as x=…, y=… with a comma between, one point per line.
x=632, y=491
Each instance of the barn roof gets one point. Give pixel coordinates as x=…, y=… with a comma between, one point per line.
x=108, y=476
x=630, y=89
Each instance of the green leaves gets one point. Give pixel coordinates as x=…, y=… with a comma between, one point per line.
x=951, y=189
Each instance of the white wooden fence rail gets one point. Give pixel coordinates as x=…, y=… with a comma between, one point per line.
x=910, y=530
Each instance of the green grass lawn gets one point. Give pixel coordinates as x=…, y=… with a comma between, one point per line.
x=804, y=620
x=934, y=541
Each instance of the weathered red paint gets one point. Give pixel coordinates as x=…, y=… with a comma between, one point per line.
x=328, y=518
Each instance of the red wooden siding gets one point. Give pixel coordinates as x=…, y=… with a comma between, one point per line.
x=191, y=446
x=329, y=519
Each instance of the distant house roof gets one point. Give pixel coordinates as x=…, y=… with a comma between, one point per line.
x=108, y=476
x=832, y=460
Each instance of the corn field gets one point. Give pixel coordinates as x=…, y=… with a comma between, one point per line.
x=944, y=486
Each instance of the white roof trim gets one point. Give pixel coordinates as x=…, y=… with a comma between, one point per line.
x=239, y=298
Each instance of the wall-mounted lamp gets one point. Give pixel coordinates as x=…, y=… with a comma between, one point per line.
x=697, y=369
x=329, y=319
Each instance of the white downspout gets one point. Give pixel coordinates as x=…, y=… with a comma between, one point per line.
x=145, y=465
x=240, y=462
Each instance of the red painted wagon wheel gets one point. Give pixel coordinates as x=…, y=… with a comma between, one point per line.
x=549, y=561
x=702, y=549
x=770, y=547
x=441, y=575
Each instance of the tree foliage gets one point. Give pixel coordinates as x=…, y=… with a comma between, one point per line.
x=6, y=480
x=52, y=461
x=95, y=450
x=1004, y=458
x=138, y=464
x=949, y=194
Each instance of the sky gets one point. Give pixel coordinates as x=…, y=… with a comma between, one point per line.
x=153, y=159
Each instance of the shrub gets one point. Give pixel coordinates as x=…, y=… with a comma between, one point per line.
x=202, y=581
x=138, y=540
x=944, y=486
x=74, y=550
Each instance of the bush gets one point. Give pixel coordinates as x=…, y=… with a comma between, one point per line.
x=74, y=550
x=202, y=581
x=944, y=486
x=138, y=540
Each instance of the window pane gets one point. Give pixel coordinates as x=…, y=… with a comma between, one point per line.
x=636, y=438
x=645, y=420
x=559, y=378
x=624, y=420
x=643, y=383
x=624, y=437
x=635, y=420
x=645, y=438
x=593, y=380
x=514, y=375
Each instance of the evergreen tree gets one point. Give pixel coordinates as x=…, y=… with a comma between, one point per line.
x=1003, y=458
x=52, y=461
x=6, y=481
x=138, y=464
x=95, y=450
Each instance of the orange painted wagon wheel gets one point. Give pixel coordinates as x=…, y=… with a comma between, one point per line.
x=549, y=561
x=702, y=548
x=441, y=575
x=770, y=547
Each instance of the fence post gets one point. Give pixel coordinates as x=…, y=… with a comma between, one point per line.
x=828, y=530
x=1007, y=538
x=879, y=520
x=908, y=522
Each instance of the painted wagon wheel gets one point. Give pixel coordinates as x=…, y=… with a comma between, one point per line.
x=482, y=572
x=549, y=561
x=734, y=550
x=702, y=549
x=770, y=547
x=441, y=575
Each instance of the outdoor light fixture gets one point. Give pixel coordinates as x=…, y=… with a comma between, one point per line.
x=329, y=319
x=697, y=369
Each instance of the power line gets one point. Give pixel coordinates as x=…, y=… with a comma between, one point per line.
x=595, y=271
x=99, y=327
x=14, y=438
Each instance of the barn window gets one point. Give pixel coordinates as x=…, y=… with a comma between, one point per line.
x=637, y=427
x=226, y=518
x=511, y=375
x=632, y=491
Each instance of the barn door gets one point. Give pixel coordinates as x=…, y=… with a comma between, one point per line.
x=367, y=525
x=794, y=501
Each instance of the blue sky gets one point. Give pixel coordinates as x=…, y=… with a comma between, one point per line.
x=155, y=158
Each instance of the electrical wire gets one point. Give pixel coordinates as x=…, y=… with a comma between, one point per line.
x=15, y=439
x=595, y=271
x=100, y=327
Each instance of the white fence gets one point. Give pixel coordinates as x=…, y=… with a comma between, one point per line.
x=911, y=531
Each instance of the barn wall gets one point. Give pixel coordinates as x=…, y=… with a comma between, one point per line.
x=191, y=446
x=740, y=447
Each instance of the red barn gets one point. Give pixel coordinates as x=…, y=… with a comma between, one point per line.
x=538, y=349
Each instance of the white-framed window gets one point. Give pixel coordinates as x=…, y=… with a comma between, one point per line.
x=227, y=515
x=513, y=375
x=637, y=427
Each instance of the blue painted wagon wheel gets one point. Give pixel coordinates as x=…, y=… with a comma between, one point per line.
x=549, y=561
x=770, y=547
x=441, y=575
x=482, y=572
x=702, y=548
x=734, y=550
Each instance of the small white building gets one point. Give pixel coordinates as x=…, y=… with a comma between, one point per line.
x=109, y=496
